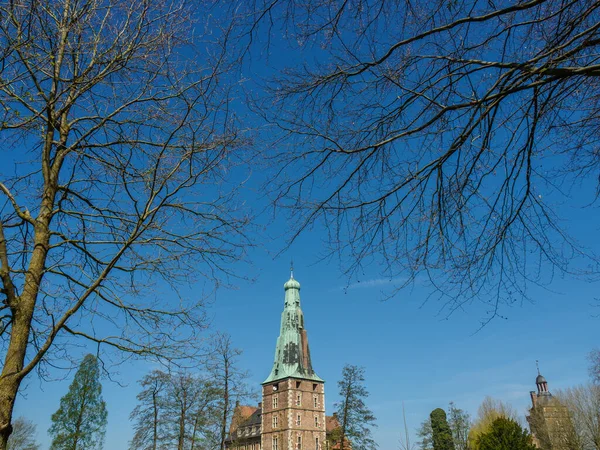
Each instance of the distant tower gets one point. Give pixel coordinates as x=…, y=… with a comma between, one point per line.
x=293, y=396
x=549, y=421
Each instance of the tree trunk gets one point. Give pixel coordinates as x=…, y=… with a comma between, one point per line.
x=345, y=419
x=225, y=406
x=193, y=441
x=22, y=311
x=22, y=307
x=155, y=423
x=181, y=438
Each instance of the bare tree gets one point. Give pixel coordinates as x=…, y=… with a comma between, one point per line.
x=440, y=137
x=147, y=415
x=425, y=434
x=404, y=443
x=460, y=424
x=583, y=403
x=229, y=380
x=174, y=412
x=595, y=365
x=23, y=436
x=116, y=117
x=189, y=402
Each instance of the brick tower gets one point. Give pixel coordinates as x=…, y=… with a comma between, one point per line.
x=293, y=396
x=549, y=420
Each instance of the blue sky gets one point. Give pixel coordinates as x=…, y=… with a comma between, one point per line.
x=410, y=353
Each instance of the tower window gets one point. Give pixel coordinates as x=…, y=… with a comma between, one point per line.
x=275, y=424
x=314, y=386
x=297, y=384
x=298, y=399
x=317, y=421
x=275, y=401
x=275, y=442
x=275, y=387
x=316, y=443
x=316, y=401
x=299, y=447
x=298, y=419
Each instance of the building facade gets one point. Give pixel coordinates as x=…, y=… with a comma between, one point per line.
x=291, y=415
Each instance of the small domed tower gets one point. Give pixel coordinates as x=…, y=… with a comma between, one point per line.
x=549, y=421
x=542, y=384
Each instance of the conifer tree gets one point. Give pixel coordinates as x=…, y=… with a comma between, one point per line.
x=356, y=419
x=506, y=434
x=80, y=422
x=442, y=435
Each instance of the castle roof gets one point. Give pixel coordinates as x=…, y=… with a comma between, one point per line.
x=292, y=355
x=241, y=415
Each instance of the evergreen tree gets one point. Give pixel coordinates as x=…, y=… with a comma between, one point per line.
x=356, y=419
x=488, y=411
x=505, y=434
x=442, y=435
x=80, y=422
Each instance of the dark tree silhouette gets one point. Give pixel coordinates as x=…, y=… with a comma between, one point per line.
x=506, y=434
x=356, y=419
x=441, y=432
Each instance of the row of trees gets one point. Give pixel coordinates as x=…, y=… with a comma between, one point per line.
x=176, y=409
x=455, y=431
x=186, y=411
x=495, y=428
x=578, y=429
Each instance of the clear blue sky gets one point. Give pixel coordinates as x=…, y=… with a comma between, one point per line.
x=409, y=351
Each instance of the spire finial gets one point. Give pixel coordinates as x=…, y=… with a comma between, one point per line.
x=292, y=268
x=537, y=364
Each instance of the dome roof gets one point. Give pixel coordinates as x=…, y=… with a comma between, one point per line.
x=540, y=379
x=291, y=284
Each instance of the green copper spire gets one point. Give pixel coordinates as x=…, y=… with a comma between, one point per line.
x=292, y=356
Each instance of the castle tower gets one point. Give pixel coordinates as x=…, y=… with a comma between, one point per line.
x=293, y=396
x=549, y=420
